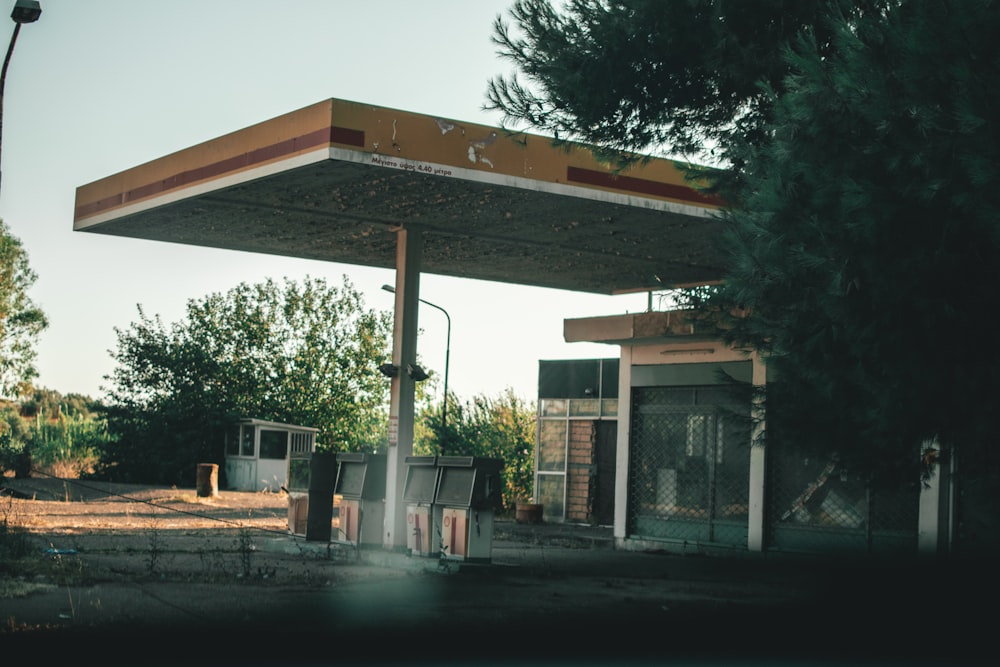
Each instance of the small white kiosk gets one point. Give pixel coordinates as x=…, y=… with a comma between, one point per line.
x=265, y=456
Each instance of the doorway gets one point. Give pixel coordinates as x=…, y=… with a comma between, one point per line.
x=605, y=454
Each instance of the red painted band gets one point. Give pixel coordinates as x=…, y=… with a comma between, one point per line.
x=639, y=186
x=325, y=136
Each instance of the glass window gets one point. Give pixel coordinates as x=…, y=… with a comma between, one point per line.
x=551, y=494
x=585, y=407
x=233, y=441
x=552, y=445
x=298, y=474
x=246, y=440
x=273, y=444
x=554, y=407
x=609, y=407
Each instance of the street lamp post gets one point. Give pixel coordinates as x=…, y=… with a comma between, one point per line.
x=25, y=11
x=447, y=354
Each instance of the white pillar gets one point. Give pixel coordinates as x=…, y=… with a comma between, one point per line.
x=622, y=448
x=756, y=519
x=934, y=519
x=409, y=246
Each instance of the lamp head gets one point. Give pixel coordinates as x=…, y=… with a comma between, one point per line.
x=26, y=11
x=389, y=370
x=416, y=372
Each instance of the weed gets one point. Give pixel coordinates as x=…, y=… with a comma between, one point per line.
x=443, y=563
x=14, y=538
x=156, y=547
x=67, y=569
x=213, y=563
x=246, y=547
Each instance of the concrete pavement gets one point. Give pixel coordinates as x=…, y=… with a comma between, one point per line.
x=553, y=595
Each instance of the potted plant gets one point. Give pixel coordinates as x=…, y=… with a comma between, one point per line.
x=526, y=510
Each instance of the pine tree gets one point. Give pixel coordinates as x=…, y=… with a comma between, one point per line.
x=859, y=153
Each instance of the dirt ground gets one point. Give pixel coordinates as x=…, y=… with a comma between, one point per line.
x=153, y=575
x=84, y=532
x=80, y=556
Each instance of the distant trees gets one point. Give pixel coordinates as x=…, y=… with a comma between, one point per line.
x=46, y=433
x=303, y=353
x=21, y=321
x=52, y=404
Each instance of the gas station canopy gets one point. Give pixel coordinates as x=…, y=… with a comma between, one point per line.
x=336, y=180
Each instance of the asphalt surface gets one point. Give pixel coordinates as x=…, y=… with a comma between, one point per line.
x=550, y=594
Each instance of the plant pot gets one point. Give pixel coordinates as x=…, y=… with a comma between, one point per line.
x=208, y=480
x=528, y=513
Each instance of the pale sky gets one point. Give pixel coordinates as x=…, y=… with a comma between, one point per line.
x=98, y=86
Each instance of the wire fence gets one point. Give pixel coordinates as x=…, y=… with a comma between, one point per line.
x=690, y=464
x=817, y=505
x=689, y=481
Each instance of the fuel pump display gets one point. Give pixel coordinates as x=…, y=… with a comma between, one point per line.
x=468, y=494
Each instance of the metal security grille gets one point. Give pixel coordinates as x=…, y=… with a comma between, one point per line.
x=976, y=479
x=819, y=506
x=302, y=444
x=689, y=464
x=299, y=456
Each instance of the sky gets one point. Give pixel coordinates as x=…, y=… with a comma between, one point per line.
x=97, y=87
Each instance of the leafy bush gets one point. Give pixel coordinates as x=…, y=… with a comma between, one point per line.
x=67, y=446
x=502, y=427
x=15, y=441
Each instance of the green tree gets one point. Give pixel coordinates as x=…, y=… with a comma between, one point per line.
x=296, y=353
x=501, y=427
x=859, y=163
x=15, y=442
x=864, y=254
x=21, y=321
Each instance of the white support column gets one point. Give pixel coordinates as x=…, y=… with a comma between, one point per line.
x=757, y=519
x=934, y=519
x=409, y=250
x=622, y=448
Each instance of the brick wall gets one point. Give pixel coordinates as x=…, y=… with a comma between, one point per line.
x=579, y=471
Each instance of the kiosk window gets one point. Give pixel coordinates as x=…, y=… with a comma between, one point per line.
x=233, y=441
x=273, y=444
x=246, y=441
x=298, y=474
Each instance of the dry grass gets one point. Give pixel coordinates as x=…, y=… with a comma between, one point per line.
x=64, y=532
